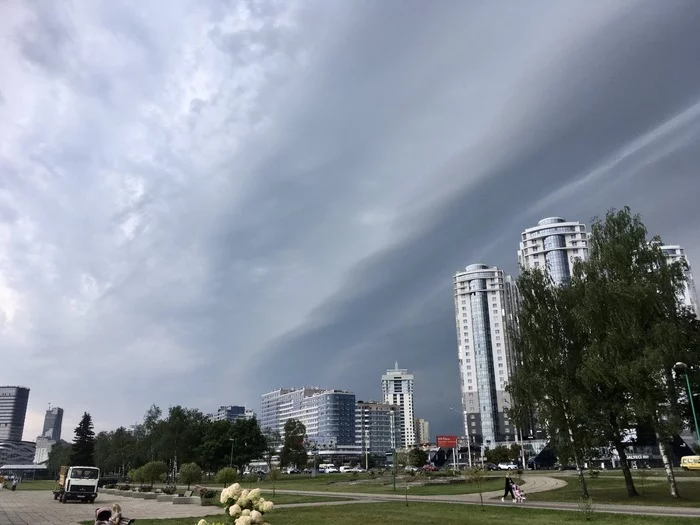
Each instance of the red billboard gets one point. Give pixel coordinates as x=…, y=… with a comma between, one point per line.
x=447, y=441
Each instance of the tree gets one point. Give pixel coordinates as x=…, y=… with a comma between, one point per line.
x=549, y=352
x=83, y=450
x=249, y=443
x=293, y=450
x=417, y=457
x=58, y=456
x=226, y=476
x=136, y=475
x=635, y=330
x=154, y=471
x=190, y=473
x=500, y=454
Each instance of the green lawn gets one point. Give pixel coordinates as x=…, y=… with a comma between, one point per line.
x=430, y=514
x=652, y=491
x=283, y=499
x=379, y=485
x=37, y=485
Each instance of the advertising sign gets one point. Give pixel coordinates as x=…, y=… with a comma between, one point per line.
x=447, y=441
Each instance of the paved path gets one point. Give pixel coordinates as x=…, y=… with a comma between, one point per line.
x=531, y=484
x=37, y=507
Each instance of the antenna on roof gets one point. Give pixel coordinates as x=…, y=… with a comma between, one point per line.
x=396, y=365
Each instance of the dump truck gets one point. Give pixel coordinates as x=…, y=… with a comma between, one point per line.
x=77, y=483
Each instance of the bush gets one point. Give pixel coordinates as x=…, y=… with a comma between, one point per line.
x=110, y=486
x=190, y=473
x=206, y=493
x=124, y=487
x=136, y=475
x=154, y=471
x=170, y=489
x=146, y=488
x=226, y=476
x=594, y=473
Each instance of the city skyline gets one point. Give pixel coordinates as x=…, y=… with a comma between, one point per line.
x=215, y=200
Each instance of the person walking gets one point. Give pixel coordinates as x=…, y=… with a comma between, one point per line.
x=508, y=488
x=14, y=484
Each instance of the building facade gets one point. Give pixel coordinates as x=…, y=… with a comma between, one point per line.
x=422, y=430
x=53, y=421
x=554, y=245
x=328, y=415
x=17, y=452
x=13, y=410
x=376, y=427
x=688, y=296
x=397, y=389
x=232, y=413
x=486, y=303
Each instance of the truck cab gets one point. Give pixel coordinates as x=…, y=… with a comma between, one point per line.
x=78, y=483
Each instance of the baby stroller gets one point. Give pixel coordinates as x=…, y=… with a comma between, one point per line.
x=518, y=493
x=103, y=514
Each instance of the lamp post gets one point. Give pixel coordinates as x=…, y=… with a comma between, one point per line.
x=231, y=462
x=393, y=449
x=682, y=368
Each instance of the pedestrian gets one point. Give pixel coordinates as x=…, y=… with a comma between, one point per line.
x=508, y=488
x=14, y=484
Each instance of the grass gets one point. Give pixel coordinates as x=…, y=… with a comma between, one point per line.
x=37, y=485
x=609, y=489
x=283, y=499
x=431, y=514
x=378, y=485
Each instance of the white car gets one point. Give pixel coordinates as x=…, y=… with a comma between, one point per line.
x=507, y=466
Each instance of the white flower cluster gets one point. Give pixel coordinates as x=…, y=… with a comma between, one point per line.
x=247, y=506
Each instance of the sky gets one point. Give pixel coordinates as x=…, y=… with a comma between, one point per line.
x=203, y=201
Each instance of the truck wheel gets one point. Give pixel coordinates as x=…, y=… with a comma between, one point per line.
x=64, y=499
x=55, y=495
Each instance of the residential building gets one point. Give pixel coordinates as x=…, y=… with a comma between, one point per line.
x=422, y=431
x=486, y=303
x=555, y=244
x=397, y=389
x=53, y=421
x=688, y=296
x=13, y=410
x=328, y=415
x=43, y=448
x=376, y=427
x=232, y=413
x=17, y=452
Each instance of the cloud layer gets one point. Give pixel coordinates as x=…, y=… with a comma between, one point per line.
x=210, y=200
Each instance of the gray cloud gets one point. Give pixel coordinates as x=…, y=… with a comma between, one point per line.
x=222, y=199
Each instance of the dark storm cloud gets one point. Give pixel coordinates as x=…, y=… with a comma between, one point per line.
x=238, y=196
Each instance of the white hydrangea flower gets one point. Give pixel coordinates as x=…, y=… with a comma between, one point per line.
x=268, y=506
x=256, y=517
x=243, y=520
x=234, y=510
x=246, y=512
x=202, y=522
x=224, y=496
x=254, y=494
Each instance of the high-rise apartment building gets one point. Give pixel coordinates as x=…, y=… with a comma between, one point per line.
x=688, y=297
x=422, y=430
x=486, y=303
x=376, y=427
x=555, y=244
x=328, y=415
x=53, y=421
x=13, y=410
x=397, y=389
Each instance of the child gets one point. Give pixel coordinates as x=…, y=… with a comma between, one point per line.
x=116, y=515
x=518, y=493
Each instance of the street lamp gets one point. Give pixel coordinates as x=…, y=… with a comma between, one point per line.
x=682, y=368
x=466, y=433
x=393, y=448
x=231, y=440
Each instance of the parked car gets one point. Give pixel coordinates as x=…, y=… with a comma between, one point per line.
x=411, y=468
x=292, y=470
x=491, y=466
x=430, y=468
x=507, y=466
x=358, y=469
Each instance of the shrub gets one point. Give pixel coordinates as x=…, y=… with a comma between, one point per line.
x=594, y=473
x=125, y=487
x=110, y=486
x=154, y=471
x=206, y=493
x=226, y=476
x=146, y=488
x=190, y=473
x=136, y=475
x=170, y=489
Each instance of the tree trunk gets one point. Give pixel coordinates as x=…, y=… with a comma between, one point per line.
x=579, y=470
x=668, y=467
x=629, y=483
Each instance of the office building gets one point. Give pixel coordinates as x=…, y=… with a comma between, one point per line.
x=53, y=421
x=397, y=389
x=17, y=452
x=232, y=413
x=328, y=415
x=688, y=296
x=13, y=410
x=486, y=304
x=422, y=431
x=376, y=427
x=555, y=244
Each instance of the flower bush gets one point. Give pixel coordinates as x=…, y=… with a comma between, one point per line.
x=246, y=507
